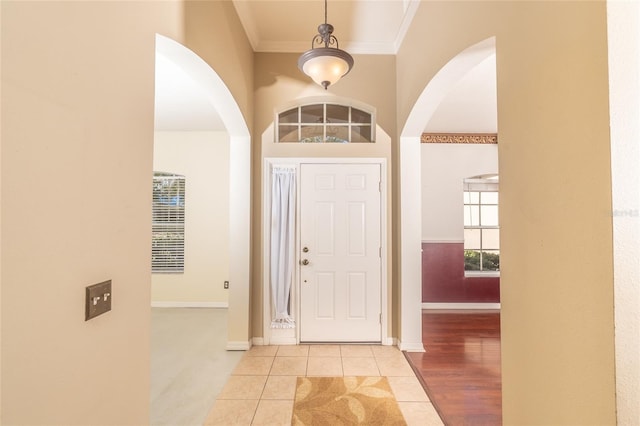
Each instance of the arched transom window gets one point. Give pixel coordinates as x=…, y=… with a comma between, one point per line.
x=325, y=122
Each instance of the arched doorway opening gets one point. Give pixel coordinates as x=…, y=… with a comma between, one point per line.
x=225, y=105
x=410, y=186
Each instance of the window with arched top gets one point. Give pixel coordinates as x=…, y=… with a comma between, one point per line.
x=325, y=122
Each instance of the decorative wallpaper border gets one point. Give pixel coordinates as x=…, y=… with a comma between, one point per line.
x=486, y=138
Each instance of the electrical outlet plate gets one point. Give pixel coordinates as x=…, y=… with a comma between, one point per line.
x=226, y=284
x=97, y=300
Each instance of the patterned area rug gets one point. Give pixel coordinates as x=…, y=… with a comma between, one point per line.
x=345, y=401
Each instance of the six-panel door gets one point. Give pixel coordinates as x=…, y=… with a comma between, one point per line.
x=340, y=271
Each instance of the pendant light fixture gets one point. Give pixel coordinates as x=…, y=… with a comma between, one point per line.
x=325, y=64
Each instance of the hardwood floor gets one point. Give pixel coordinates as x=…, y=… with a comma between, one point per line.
x=460, y=369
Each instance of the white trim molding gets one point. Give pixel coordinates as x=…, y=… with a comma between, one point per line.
x=292, y=336
x=238, y=346
x=283, y=341
x=482, y=274
x=461, y=306
x=411, y=346
x=389, y=341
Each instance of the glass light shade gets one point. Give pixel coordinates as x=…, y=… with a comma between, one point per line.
x=325, y=65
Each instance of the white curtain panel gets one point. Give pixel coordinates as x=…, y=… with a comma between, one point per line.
x=283, y=220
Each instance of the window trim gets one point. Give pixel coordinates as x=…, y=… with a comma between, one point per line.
x=482, y=274
x=175, y=222
x=349, y=124
x=483, y=183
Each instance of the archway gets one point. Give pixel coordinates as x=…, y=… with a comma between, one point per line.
x=239, y=183
x=410, y=192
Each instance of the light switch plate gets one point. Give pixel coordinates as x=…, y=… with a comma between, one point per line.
x=97, y=300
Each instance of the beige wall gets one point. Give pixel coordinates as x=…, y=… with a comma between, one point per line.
x=203, y=158
x=77, y=141
x=77, y=102
x=213, y=31
x=278, y=82
x=444, y=167
x=77, y=135
x=557, y=306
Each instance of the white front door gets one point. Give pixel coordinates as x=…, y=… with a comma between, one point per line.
x=340, y=243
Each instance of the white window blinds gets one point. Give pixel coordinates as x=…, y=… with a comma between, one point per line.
x=167, y=243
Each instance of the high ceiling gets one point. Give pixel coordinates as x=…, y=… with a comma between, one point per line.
x=361, y=26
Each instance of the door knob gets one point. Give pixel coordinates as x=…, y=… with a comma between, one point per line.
x=304, y=262
x=305, y=249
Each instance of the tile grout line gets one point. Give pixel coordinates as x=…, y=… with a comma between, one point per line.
x=375, y=355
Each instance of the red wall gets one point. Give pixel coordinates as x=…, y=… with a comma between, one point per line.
x=443, y=279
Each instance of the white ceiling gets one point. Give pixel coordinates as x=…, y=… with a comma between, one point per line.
x=361, y=26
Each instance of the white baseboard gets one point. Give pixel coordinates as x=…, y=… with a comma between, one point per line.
x=461, y=306
x=389, y=341
x=411, y=346
x=169, y=304
x=281, y=340
x=259, y=341
x=238, y=346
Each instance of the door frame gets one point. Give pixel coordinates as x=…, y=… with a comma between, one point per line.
x=292, y=336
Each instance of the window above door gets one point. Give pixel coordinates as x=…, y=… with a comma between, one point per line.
x=325, y=122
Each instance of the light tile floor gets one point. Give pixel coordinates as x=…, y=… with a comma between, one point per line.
x=261, y=389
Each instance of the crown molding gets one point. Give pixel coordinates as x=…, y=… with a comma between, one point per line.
x=411, y=7
x=248, y=21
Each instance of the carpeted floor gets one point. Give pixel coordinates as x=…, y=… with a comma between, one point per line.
x=342, y=401
x=189, y=363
